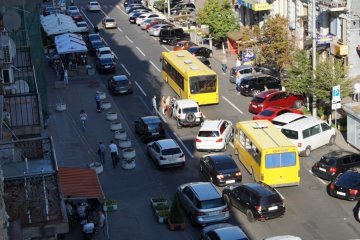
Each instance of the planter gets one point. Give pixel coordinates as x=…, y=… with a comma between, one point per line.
x=102, y=95
x=111, y=116
x=128, y=153
x=162, y=216
x=105, y=105
x=60, y=107
x=128, y=164
x=161, y=208
x=115, y=126
x=125, y=143
x=120, y=134
x=110, y=205
x=98, y=167
x=156, y=201
x=176, y=226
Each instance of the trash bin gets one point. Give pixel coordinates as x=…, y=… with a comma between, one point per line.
x=90, y=70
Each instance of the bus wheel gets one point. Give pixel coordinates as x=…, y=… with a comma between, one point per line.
x=250, y=215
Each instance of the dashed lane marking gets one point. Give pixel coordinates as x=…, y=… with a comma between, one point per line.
x=118, y=7
x=181, y=142
x=120, y=29
x=232, y=104
x=151, y=62
x=122, y=65
x=129, y=39
x=141, y=51
x=322, y=181
x=143, y=92
x=92, y=25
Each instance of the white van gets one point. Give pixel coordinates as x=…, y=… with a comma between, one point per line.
x=286, y=118
x=309, y=133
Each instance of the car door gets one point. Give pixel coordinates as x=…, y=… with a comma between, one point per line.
x=235, y=197
x=206, y=167
x=355, y=160
x=346, y=163
x=283, y=100
x=139, y=126
x=187, y=200
x=155, y=152
x=326, y=133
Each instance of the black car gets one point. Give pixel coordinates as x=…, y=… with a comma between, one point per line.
x=132, y=19
x=258, y=82
x=205, y=61
x=200, y=51
x=346, y=185
x=149, y=128
x=332, y=164
x=220, y=169
x=95, y=45
x=127, y=2
x=105, y=65
x=258, y=200
x=120, y=84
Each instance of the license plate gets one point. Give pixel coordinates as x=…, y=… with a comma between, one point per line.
x=213, y=213
x=273, y=208
x=107, y=66
x=163, y=40
x=254, y=106
x=322, y=169
x=230, y=181
x=123, y=91
x=341, y=193
x=154, y=133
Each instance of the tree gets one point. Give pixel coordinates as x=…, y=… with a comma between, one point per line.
x=299, y=73
x=276, y=46
x=218, y=15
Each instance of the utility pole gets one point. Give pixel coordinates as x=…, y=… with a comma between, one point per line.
x=314, y=110
x=168, y=7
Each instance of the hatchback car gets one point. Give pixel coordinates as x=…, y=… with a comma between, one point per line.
x=183, y=45
x=346, y=186
x=200, y=51
x=72, y=8
x=244, y=71
x=147, y=22
x=120, y=84
x=334, y=163
x=166, y=153
x=222, y=231
x=155, y=30
x=275, y=98
x=149, y=128
x=109, y=22
x=202, y=202
x=82, y=27
x=95, y=45
x=105, y=64
x=286, y=118
x=141, y=10
x=93, y=6
x=105, y=51
x=256, y=83
x=271, y=112
x=133, y=5
x=137, y=8
x=258, y=200
x=146, y=16
x=214, y=135
x=205, y=61
x=220, y=169
x=133, y=17
x=92, y=37
x=76, y=16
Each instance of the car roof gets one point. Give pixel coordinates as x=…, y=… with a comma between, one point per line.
x=303, y=123
x=104, y=49
x=105, y=57
x=256, y=75
x=219, y=157
x=266, y=94
x=205, y=190
x=261, y=188
x=210, y=125
x=338, y=154
x=118, y=78
x=151, y=119
x=233, y=232
x=288, y=117
x=187, y=103
x=241, y=67
x=167, y=143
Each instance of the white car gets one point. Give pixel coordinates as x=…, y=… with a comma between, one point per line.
x=155, y=30
x=214, y=135
x=139, y=11
x=286, y=118
x=105, y=52
x=166, y=153
x=146, y=16
x=109, y=22
x=144, y=24
x=93, y=6
x=130, y=6
x=82, y=27
x=72, y=8
x=187, y=113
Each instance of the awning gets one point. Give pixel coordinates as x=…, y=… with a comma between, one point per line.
x=235, y=36
x=80, y=183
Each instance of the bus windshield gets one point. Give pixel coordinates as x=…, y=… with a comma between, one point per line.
x=203, y=84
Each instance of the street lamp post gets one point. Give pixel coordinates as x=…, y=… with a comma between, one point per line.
x=314, y=110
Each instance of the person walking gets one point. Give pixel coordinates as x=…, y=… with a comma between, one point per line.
x=356, y=92
x=66, y=77
x=154, y=105
x=238, y=82
x=238, y=61
x=224, y=65
x=83, y=118
x=97, y=100
x=114, y=153
x=102, y=152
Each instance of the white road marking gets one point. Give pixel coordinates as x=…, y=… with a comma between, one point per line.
x=232, y=104
x=120, y=29
x=143, y=92
x=154, y=38
x=118, y=7
x=165, y=48
x=129, y=39
x=141, y=51
x=186, y=149
x=122, y=65
x=154, y=66
x=92, y=25
x=104, y=13
x=322, y=181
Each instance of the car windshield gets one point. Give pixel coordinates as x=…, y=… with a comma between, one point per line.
x=328, y=161
x=267, y=113
x=258, y=99
x=208, y=134
x=203, y=84
x=122, y=83
x=349, y=179
x=94, y=37
x=97, y=44
x=190, y=110
x=212, y=203
x=153, y=126
x=290, y=133
x=170, y=151
x=105, y=52
x=110, y=20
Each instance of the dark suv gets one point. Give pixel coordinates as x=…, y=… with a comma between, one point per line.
x=253, y=85
x=149, y=128
x=172, y=36
x=258, y=200
x=332, y=164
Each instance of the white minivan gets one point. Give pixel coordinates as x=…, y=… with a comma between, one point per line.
x=309, y=133
x=286, y=118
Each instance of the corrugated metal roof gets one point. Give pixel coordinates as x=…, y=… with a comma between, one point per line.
x=80, y=183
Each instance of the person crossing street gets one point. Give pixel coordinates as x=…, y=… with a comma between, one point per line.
x=114, y=152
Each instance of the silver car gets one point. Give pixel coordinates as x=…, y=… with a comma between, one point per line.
x=166, y=153
x=223, y=231
x=108, y=22
x=155, y=30
x=203, y=202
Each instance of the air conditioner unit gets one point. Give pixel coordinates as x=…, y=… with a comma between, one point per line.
x=6, y=54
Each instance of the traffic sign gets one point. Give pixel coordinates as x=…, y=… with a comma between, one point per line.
x=335, y=104
x=336, y=93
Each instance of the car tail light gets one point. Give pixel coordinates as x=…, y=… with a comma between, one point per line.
x=238, y=174
x=333, y=170
x=182, y=155
x=220, y=176
x=219, y=140
x=353, y=191
x=162, y=158
x=258, y=209
x=332, y=186
x=299, y=144
x=225, y=210
x=197, y=140
x=200, y=214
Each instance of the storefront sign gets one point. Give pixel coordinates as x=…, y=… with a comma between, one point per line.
x=254, y=6
x=248, y=56
x=324, y=40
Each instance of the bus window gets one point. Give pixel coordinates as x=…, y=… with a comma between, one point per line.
x=203, y=84
x=277, y=160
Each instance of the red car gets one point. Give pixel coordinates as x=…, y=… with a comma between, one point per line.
x=76, y=16
x=275, y=98
x=271, y=112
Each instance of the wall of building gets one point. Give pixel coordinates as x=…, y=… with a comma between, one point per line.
x=354, y=40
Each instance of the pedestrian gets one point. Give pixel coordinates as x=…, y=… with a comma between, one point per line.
x=102, y=152
x=83, y=118
x=167, y=105
x=356, y=92
x=238, y=82
x=224, y=65
x=154, y=105
x=172, y=103
x=66, y=77
x=114, y=152
x=97, y=100
x=162, y=104
x=238, y=61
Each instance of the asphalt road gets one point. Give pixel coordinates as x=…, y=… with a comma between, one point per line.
x=310, y=212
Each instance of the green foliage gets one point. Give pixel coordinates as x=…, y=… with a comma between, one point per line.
x=175, y=215
x=299, y=73
x=277, y=48
x=218, y=15
x=249, y=37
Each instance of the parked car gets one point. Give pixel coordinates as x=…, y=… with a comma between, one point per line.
x=120, y=84
x=147, y=22
x=91, y=38
x=334, y=163
x=347, y=185
x=187, y=113
x=128, y=2
x=149, y=128
x=270, y=113
x=244, y=70
x=82, y=27
x=166, y=153
x=205, y=61
x=95, y=45
x=134, y=16
x=220, y=169
x=146, y=16
x=172, y=36
x=133, y=5
x=155, y=30
x=183, y=45
x=136, y=8
x=202, y=202
x=222, y=231
x=181, y=6
x=258, y=201
x=214, y=135
x=76, y=16
x=49, y=10
x=93, y=6
x=141, y=10
x=275, y=98
x=105, y=51
x=256, y=83
x=72, y=8
x=286, y=118
x=109, y=22
x=309, y=133
x=105, y=65
x=200, y=51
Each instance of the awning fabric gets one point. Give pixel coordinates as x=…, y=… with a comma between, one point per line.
x=80, y=183
x=55, y=24
x=235, y=36
x=70, y=43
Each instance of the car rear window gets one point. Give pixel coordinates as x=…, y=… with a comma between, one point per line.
x=208, y=134
x=225, y=165
x=290, y=133
x=106, y=61
x=170, y=151
x=267, y=113
x=328, y=161
x=190, y=110
x=153, y=126
x=258, y=99
x=122, y=83
x=269, y=200
x=110, y=20
x=213, y=203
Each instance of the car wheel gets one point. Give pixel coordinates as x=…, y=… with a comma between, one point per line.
x=178, y=124
x=250, y=215
x=307, y=151
x=255, y=92
x=225, y=147
x=298, y=104
x=332, y=140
